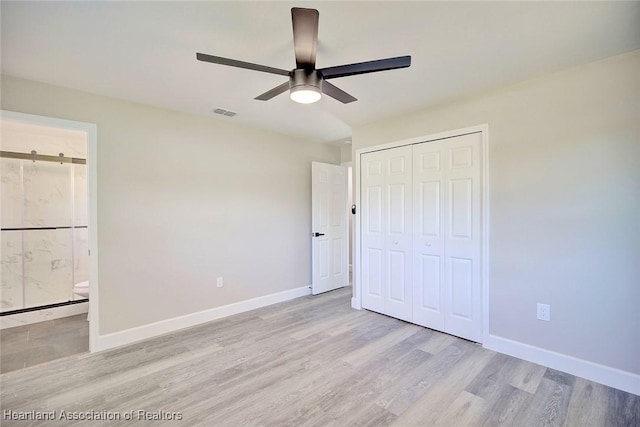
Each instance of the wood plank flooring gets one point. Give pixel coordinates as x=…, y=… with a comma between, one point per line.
x=41, y=342
x=311, y=362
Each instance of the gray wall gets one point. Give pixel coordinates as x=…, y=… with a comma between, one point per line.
x=565, y=205
x=345, y=153
x=184, y=199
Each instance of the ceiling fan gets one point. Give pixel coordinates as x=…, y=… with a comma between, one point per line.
x=306, y=83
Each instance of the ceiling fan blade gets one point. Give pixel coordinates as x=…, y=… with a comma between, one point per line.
x=305, y=36
x=273, y=92
x=366, y=67
x=337, y=93
x=240, y=64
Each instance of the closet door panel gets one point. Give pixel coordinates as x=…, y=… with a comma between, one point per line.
x=461, y=291
x=463, y=240
x=373, y=220
x=428, y=242
x=398, y=239
x=386, y=230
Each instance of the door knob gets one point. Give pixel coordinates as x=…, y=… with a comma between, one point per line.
x=317, y=234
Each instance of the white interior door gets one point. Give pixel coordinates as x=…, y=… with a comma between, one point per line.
x=386, y=232
x=330, y=243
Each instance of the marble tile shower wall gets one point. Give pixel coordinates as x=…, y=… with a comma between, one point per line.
x=40, y=263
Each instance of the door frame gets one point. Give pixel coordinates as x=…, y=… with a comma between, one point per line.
x=91, y=131
x=351, y=223
x=356, y=300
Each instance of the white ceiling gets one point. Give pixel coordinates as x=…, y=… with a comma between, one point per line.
x=145, y=52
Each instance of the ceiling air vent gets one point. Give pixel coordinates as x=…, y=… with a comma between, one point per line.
x=224, y=112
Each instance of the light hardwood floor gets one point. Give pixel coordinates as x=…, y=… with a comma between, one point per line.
x=41, y=342
x=314, y=362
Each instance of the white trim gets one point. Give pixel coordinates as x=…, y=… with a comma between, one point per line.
x=29, y=317
x=356, y=301
x=486, y=233
x=622, y=380
x=151, y=330
x=92, y=188
x=421, y=139
x=350, y=223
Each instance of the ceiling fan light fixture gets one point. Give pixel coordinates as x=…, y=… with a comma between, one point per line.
x=305, y=86
x=305, y=94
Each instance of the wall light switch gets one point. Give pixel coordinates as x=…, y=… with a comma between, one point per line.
x=544, y=312
x=220, y=282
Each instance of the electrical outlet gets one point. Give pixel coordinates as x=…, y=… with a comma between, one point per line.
x=544, y=312
x=220, y=282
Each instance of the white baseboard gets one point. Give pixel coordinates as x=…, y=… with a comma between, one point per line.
x=355, y=304
x=29, y=317
x=151, y=330
x=622, y=380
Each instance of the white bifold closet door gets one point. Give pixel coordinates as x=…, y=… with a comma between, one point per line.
x=386, y=232
x=440, y=208
x=447, y=236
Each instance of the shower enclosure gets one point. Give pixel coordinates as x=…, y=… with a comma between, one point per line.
x=44, y=248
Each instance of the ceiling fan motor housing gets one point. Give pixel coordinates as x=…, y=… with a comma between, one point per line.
x=301, y=79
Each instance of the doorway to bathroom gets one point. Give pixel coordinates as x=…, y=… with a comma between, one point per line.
x=48, y=283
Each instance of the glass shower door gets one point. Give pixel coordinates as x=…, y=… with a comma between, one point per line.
x=48, y=243
x=80, y=226
x=11, y=284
